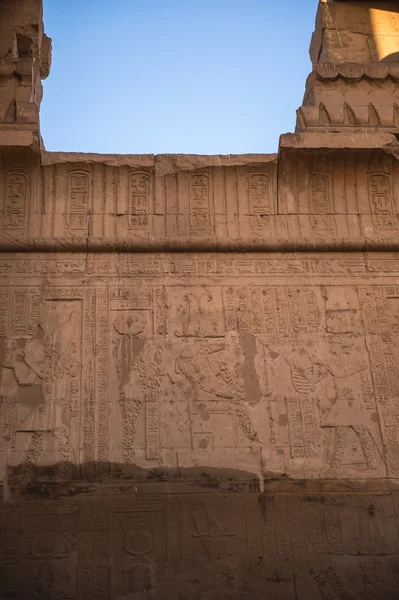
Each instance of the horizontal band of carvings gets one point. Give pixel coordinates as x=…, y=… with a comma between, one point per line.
x=352, y=71
x=197, y=245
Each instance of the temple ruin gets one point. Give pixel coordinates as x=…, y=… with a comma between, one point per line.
x=199, y=355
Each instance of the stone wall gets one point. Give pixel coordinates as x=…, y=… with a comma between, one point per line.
x=199, y=355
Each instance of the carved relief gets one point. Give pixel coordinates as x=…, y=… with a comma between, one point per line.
x=139, y=201
x=259, y=201
x=279, y=367
x=78, y=206
x=48, y=366
x=271, y=310
x=15, y=217
x=200, y=202
x=328, y=398
x=213, y=369
x=380, y=198
x=376, y=305
x=319, y=201
x=195, y=312
x=138, y=369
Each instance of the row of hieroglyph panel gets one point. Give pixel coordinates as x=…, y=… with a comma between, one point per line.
x=201, y=544
x=336, y=195
x=113, y=365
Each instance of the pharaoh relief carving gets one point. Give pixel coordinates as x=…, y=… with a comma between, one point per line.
x=275, y=368
x=302, y=377
x=40, y=380
x=321, y=382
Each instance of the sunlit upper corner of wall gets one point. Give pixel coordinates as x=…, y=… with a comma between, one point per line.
x=384, y=23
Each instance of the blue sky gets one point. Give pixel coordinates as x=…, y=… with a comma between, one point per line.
x=160, y=76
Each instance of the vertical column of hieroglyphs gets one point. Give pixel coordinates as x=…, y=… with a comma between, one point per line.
x=134, y=202
x=16, y=194
x=256, y=195
x=102, y=380
x=381, y=177
x=195, y=211
x=174, y=532
x=85, y=549
x=88, y=408
x=101, y=540
x=139, y=219
x=380, y=198
x=378, y=330
x=317, y=205
x=10, y=556
x=152, y=390
x=77, y=219
x=61, y=324
x=376, y=179
x=67, y=192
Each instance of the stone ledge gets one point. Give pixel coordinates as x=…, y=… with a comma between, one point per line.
x=361, y=140
x=181, y=244
x=20, y=136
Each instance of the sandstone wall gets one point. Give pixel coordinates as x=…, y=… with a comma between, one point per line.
x=199, y=384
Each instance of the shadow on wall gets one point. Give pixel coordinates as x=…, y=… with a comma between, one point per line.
x=214, y=538
x=67, y=479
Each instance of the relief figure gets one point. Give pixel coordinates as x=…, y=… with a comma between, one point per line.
x=198, y=316
x=214, y=369
x=138, y=365
x=49, y=362
x=333, y=363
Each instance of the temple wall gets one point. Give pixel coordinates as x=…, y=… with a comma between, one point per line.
x=199, y=381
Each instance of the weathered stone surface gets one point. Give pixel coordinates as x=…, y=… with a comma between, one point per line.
x=25, y=59
x=355, y=47
x=199, y=382
x=162, y=361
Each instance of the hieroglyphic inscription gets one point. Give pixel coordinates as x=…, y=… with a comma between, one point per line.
x=16, y=195
x=268, y=526
x=131, y=264
x=376, y=320
x=302, y=427
x=11, y=540
x=25, y=312
x=380, y=199
x=85, y=550
x=200, y=210
x=282, y=527
x=174, y=533
x=259, y=201
x=319, y=201
x=160, y=311
x=296, y=428
x=102, y=549
x=254, y=540
x=77, y=217
x=323, y=527
x=139, y=201
x=102, y=380
x=12, y=536
x=88, y=426
x=4, y=310
x=298, y=543
x=271, y=310
x=151, y=427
